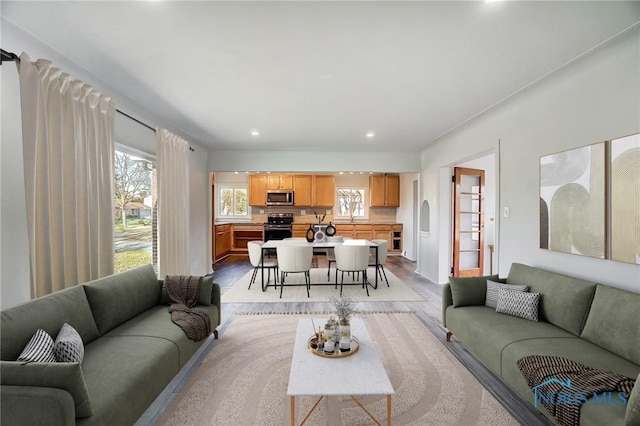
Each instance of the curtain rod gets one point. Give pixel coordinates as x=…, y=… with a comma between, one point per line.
x=12, y=57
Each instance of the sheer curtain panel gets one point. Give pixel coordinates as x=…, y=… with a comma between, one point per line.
x=173, y=204
x=67, y=131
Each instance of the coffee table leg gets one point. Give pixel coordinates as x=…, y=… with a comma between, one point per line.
x=293, y=411
x=388, y=410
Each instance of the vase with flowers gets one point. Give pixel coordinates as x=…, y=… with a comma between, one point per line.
x=345, y=309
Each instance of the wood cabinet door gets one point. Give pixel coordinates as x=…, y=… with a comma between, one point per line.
x=302, y=190
x=299, y=230
x=376, y=191
x=324, y=188
x=273, y=181
x=257, y=190
x=344, y=230
x=286, y=182
x=382, y=232
x=392, y=191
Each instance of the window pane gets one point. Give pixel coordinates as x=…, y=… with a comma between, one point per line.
x=350, y=202
x=134, y=202
x=226, y=202
x=241, y=202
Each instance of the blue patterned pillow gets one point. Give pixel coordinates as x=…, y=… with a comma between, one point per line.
x=39, y=348
x=69, y=346
x=518, y=303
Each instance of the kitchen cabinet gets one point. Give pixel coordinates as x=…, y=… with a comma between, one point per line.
x=302, y=190
x=241, y=234
x=390, y=232
x=257, y=190
x=299, y=230
x=324, y=189
x=222, y=241
x=384, y=190
x=396, y=238
x=279, y=182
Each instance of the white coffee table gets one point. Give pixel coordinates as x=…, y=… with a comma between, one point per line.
x=359, y=374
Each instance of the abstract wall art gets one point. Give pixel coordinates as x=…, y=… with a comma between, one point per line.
x=572, y=201
x=625, y=199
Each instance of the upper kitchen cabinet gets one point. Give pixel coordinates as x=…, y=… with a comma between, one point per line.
x=279, y=182
x=324, y=190
x=257, y=190
x=302, y=190
x=385, y=190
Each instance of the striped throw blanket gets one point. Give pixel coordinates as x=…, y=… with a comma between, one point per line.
x=183, y=292
x=563, y=385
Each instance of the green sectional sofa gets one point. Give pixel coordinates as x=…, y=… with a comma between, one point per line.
x=132, y=350
x=590, y=323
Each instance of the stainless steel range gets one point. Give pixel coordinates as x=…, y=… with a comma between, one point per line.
x=278, y=226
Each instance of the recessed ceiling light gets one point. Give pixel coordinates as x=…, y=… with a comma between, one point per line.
x=255, y=133
x=235, y=172
x=370, y=134
x=341, y=173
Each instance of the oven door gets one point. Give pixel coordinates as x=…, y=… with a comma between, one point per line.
x=276, y=233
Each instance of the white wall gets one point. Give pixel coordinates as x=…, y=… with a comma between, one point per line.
x=14, y=252
x=591, y=100
x=405, y=214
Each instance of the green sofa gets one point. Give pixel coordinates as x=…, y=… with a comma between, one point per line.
x=132, y=350
x=591, y=323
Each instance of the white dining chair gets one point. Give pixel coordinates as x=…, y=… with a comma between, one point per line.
x=255, y=257
x=352, y=258
x=383, y=250
x=295, y=259
x=331, y=258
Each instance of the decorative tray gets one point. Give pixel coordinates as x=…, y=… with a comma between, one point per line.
x=355, y=345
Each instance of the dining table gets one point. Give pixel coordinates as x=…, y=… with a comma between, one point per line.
x=320, y=244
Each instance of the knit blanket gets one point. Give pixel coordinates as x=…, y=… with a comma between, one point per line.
x=563, y=385
x=183, y=292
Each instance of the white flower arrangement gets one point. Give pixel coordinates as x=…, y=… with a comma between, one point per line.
x=345, y=307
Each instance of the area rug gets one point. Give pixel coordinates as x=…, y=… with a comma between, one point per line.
x=243, y=380
x=397, y=291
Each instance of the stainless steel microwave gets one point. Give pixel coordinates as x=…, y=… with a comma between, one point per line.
x=279, y=197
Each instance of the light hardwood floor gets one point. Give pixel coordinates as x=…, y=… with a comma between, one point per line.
x=232, y=268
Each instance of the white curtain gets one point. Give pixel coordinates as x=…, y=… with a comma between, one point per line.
x=173, y=204
x=67, y=130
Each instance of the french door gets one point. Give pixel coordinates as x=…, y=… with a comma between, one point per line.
x=468, y=222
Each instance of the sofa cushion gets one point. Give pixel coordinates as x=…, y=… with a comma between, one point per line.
x=55, y=406
x=492, y=292
x=125, y=374
x=470, y=291
x=48, y=313
x=39, y=349
x=632, y=416
x=68, y=346
x=613, y=322
x=486, y=333
x=120, y=297
x=564, y=300
x=518, y=303
x=66, y=375
x=204, y=297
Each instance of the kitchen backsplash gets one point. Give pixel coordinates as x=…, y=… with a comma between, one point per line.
x=376, y=215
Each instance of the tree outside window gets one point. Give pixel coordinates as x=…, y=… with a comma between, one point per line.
x=351, y=203
x=233, y=202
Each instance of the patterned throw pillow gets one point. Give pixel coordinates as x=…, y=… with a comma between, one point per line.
x=39, y=348
x=492, y=292
x=69, y=346
x=518, y=303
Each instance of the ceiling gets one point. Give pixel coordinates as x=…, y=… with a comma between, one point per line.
x=318, y=75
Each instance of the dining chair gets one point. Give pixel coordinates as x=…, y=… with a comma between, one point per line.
x=295, y=259
x=383, y=249
x=353, y=259
x=331, y=258
x=255, y=257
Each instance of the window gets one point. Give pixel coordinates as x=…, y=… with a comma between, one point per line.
x=351, y=203
x=232, y=202
x=135, y=241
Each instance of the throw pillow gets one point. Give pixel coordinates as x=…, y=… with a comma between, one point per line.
x=492, y=291
x=39, y=348
x=69, y=346
x=518, y=303
x=469, y=291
